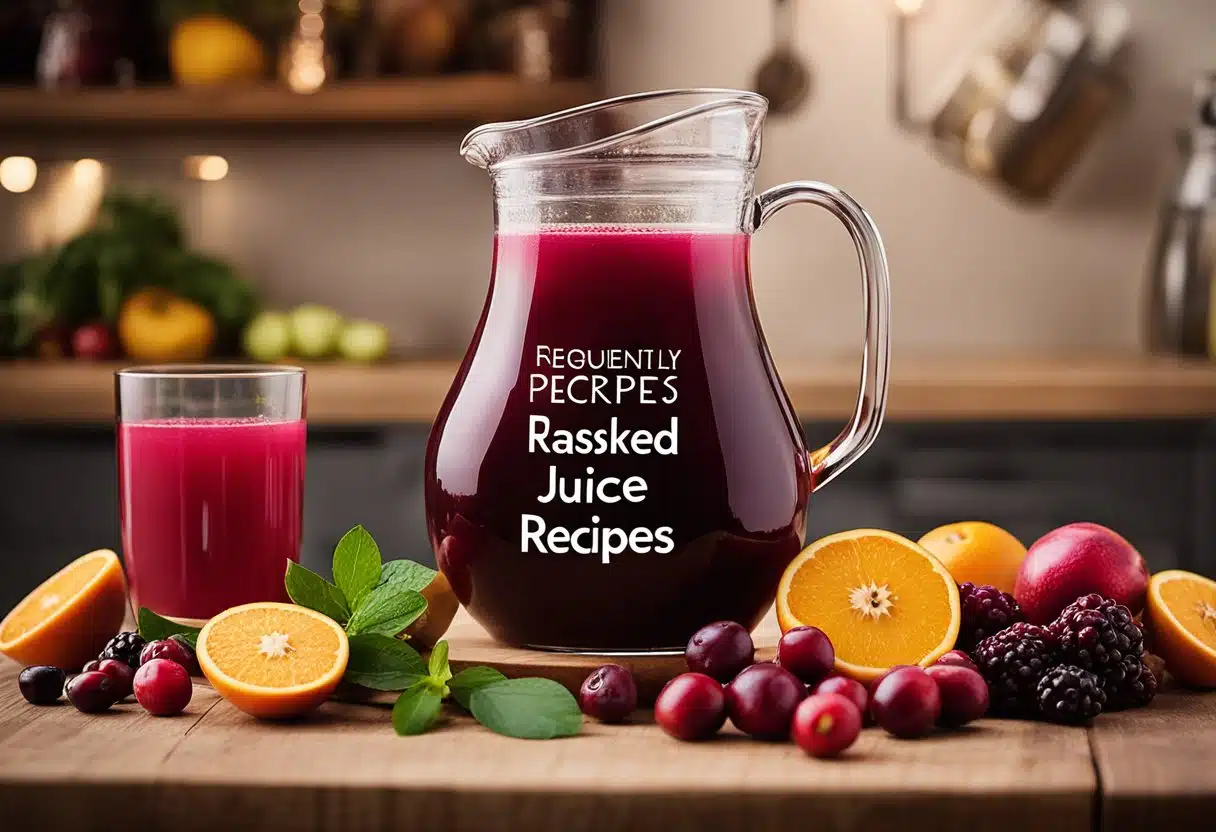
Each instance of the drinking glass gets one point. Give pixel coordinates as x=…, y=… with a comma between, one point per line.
x=211, y=484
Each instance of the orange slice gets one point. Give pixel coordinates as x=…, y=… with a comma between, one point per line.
x=68, y=619
x=1181, y=618
x=882, y=600
x=273, y=660
x=977, y=552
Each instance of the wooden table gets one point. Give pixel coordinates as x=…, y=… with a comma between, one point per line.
x=923, y=388
x=344, y=768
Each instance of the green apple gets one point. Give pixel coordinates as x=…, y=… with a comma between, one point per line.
x=363, y=341
x=267, y=337
x=315, y=330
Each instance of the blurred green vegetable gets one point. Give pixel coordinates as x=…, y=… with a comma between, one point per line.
x=137, y=241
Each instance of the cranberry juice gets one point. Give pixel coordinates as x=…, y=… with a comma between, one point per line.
x=210, y=511
x=616, y=464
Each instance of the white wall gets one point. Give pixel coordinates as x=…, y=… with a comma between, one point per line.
x=398, y=228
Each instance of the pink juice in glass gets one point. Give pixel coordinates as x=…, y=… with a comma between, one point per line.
x=210, y=511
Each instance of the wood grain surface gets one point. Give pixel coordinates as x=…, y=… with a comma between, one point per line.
x=922, y=388
x=343, y=768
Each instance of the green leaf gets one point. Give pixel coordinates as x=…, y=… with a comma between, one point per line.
x=408, y=574
x=383, y=663
x=155, y=628
x=416, y=710
x=386, y=610
x=356, y=565
x=470, y=679
x=308, y=589
x=530, y=709
x=438, y=667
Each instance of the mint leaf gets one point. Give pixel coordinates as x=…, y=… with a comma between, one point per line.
x=383, y=663
x=470, y=679
x=408, y=574
x=416, y=709
x=387, y=610
x=356, y=565
x=155, y=628
x=438, y=667
x=308, y=589
x=530, y=709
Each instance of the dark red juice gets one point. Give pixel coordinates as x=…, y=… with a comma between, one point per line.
x=616, y=464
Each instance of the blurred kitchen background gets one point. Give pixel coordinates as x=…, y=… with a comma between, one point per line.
x=1042, y=172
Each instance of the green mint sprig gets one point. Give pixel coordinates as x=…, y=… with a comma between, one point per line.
x=157, y=628
x=531, y=709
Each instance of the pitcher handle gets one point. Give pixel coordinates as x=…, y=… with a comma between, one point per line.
x=863, y=427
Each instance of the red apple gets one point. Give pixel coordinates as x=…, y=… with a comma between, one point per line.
x=94, y=342
x=1076, y=560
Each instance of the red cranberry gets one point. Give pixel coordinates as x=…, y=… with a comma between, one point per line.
x=807, y=653
x=91, y=692
x=761, y=700
x=171, y=649
x=121, y=674
x=163, y=687
x=609, y=694
x=826, y=724
x=850, y=689
x=958, y=658
x=720, y=650
x=906, y=702
x=90, y=666
x=41, y=684
x=691, y=707
x=964, y=693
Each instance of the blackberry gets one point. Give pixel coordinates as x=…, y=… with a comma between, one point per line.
x=125, y=647
x=1135, y=687
x=1099, y=635
x=1012, y=662
x=985, y=612
x=1070, y=694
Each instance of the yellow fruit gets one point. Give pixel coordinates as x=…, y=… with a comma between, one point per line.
x=977, y=552
x=273, y=660
x=208, y=49
x=68, y=619
x=155, y=325
x=441, y=607
x=882, y=600
x=1181, y=618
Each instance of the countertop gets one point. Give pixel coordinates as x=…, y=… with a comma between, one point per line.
x=923, y=388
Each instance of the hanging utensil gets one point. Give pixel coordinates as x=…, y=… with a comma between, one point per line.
x=785, y=76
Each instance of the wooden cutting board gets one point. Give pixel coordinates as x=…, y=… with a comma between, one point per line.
x=471, y=645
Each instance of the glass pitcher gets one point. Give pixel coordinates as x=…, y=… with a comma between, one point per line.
x=616, y=463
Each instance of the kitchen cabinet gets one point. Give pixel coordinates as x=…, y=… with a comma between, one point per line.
x=1153, y=481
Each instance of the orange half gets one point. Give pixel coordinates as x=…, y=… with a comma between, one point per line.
x=882, y=600
x=67, y=620
x=1181, y=618
x=273, y=660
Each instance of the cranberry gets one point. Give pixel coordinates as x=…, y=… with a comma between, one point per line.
x=958, y=658
x=163, y=687
x=172, y=649
x=91, y=692
x=761, y=700
x=850, y=689
x=826, y=724
x=691, y=707
x=964, y=693
x=720, y=650
x=609, y=694
x=906, y=702
x=90, y=666
x=122, y=675
x=807, y=653
x=41, y=684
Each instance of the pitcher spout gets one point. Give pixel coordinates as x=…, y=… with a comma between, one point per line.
x=706, y=125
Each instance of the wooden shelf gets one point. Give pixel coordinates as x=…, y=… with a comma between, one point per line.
x=456, y=99
x=922, y=389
